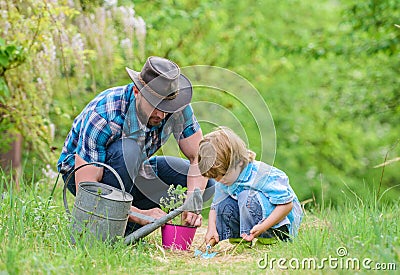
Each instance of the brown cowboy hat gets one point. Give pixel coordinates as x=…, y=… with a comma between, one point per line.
x=162, y=84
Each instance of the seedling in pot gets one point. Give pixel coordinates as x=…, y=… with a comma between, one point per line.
x=175, y=199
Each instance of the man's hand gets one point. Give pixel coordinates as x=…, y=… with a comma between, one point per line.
x=192, y=219
x=155, y=213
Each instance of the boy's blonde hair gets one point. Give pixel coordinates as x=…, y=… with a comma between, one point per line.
x=220, y=150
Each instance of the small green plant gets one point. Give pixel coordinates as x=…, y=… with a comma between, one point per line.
x=176, y=197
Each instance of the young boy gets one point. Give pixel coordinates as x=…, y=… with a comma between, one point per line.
x=252, y=199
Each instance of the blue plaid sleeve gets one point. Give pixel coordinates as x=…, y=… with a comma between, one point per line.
x=94, y=137
x=186, y=124
x=99, y=124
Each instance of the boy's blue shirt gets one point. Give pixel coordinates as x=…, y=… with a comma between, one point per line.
x=270, y=185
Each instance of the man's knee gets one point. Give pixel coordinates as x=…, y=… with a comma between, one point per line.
x=124, y=157
x=125, y=151
x=69, y=180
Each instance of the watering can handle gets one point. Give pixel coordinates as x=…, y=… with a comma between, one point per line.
x=83, y=165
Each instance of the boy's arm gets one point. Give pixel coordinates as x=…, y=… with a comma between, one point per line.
x=212, y=227
x=280, y=212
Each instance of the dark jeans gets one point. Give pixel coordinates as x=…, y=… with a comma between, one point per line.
x=235, y=217
x=124, y=157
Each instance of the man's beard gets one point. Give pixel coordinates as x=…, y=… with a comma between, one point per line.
x=145, y=119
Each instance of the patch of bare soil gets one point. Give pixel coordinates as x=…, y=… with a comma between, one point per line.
x=227, y=253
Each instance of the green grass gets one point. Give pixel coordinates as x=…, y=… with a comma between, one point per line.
x=34, y=239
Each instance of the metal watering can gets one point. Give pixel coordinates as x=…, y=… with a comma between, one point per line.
x=102, y=211
x=99, y=209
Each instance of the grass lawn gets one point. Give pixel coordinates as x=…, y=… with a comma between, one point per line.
x=359, y=236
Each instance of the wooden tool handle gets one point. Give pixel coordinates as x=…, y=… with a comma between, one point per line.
x=212, y=242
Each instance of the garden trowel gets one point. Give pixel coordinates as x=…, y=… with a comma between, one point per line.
x=206, y=255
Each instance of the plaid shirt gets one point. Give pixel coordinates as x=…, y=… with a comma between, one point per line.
x=112, y=115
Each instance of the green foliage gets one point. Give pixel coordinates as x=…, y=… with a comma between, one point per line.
x=62, y=50
x=373, y=25
x=111, y=37
x=31, y=34
x=10, y=56
x=90, y=5
x=175, y=199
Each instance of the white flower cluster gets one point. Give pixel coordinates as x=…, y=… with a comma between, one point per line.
x=112, y=29
x=49, y=173
x=59, y=42
x=5, y=24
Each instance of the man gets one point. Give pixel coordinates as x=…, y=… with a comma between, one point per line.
x=124, y=126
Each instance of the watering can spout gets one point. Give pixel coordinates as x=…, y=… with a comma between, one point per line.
x=193, y=204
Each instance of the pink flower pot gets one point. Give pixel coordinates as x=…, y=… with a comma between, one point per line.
x=177, y=236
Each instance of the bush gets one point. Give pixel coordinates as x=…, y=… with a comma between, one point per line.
x=34, y=30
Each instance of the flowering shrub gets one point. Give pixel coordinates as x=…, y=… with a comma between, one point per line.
x=110, y=35
x=51, y=53
x=42, y=39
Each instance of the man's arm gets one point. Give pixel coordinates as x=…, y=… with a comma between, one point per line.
x=190, y=147
x=87, y=173
x=95, y=174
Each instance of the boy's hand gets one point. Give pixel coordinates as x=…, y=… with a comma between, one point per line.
x=256, y=231
x=211, y=237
